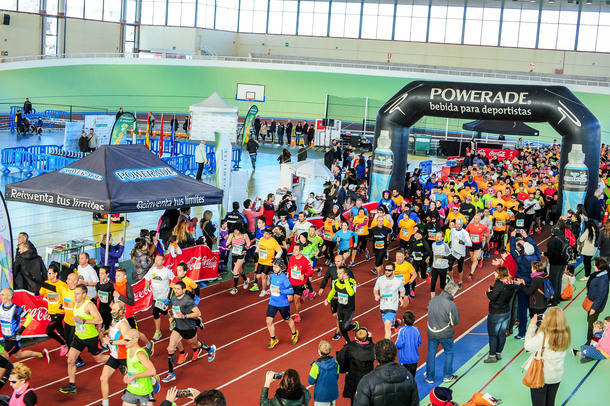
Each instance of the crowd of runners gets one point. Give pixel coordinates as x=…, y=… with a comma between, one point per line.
x=432, y=225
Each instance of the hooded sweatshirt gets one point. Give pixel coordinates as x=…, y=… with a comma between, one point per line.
x=324, y=374
x=442, y=316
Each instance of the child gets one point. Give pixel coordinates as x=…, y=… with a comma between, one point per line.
x=408, y=342
x=567, y=283
x=598, y=332
x=324, y=374
x=599, y=350
x=222, y=245
x=311, y=200
x=172, y=248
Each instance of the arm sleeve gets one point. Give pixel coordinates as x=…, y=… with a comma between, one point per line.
x=349, y=286
x=287, y=288
x=325, y=279
x=332, y=292
x=130, y=299
x=117, y=253
x=313, y=374
x=28, y=320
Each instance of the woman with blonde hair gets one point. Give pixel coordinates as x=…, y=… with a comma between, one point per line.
x=208, y=229
x=552, y=339
x=184, y=238
x=19, y=380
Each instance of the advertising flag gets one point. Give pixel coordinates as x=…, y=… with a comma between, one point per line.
x=147, y=142
x=161, y=138
x=224, y=153
x=173, y=137
x=120, y=128
x=6, y=247
x=245, y=132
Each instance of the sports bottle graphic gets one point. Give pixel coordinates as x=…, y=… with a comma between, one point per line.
x=383, y=162
x=575, y=180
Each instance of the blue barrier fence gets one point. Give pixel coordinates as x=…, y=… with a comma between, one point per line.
x=48, y=116
x=30, y=162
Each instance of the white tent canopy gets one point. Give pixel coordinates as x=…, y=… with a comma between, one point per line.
x=313, y=169
x=213, y=115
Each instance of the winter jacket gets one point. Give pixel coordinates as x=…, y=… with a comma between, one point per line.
x=114, y=254
x=407, y=344
x=604, y=245
x=597, y=290
x=552, y=360
x=300, y=398
x=500, y=296
x=524, y=262
x=29, y=272
x=587, y=247
x=324, y=374
x=200, y=154
x=443, y=314
x=553, y=251
x=535, y=291
x=355, y=359
x=252, y=146
x=388, y=385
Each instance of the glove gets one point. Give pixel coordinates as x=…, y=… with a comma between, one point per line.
x=20, y=331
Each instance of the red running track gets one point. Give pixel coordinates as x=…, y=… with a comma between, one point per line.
x=236, y=325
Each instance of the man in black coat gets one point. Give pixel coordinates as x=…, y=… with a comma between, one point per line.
x=389, y=384
x=29, y=272
x=356, y=359
x=557, y=263
x=329, y=157
x=27, y=106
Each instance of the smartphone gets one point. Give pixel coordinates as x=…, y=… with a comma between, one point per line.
x=183, y=393
x=278, y=375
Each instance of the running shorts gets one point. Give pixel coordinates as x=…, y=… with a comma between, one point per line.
x=132, y=399
x=158, y=312
x=299, y=289
x=379, y=257
x=116, y=363
x=132, y=322
x=388, y=315
x=237, y=257
x=344, y=252
x=12, y=346
x=186, y=334
x=91, y=344
x=334, y=302
x=264, y=269
x=477, y=246
x=284, y=311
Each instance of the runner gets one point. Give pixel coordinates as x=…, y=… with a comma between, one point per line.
x=140, y=373
x=299, y=270
x=344, y=288
x=406, y=226
x=192, y=288
x=390, y=293
x=361, y=228
x=310, y=251
x=239, y=243
x=344, y=239
x=380, y=238
x=5, y=366
x=405, y=271
x=123, y=292
x=281, y=294
x=12, y=328
x=421, y=254
x=440, y=263
x=500, y=218
x=329, y=228
x=105, y=290
x=459, y=239
x=158, y=278
x=185, y=316
x=116, y=339
x=478, y=234
x=318, y=243
x=300, y=226
x=86, y=318
x=331, y=274
x=55, y=329
x=268, y=249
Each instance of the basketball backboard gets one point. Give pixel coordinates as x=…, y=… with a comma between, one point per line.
x=250, y=93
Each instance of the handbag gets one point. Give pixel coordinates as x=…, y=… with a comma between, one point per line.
x=587, y=304
x=534, y=377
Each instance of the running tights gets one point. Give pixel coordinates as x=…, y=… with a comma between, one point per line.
x=434, y=275
x=236, y=279
x=8, y=367
x=55, y=329
x=344, y=319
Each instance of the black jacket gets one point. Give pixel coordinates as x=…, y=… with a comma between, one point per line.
x=83, y=144
x=169, y=219
x=331, y=275
x=329, y=158
x=29, y=272
x=252, y=146
x=535, y=291
x=500, y=296
x=301, y=154
x=388, y=385
x=355, y=359
x=553, y=251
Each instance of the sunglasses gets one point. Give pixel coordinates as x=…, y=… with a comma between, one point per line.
x=389, y=270
x=11, y=381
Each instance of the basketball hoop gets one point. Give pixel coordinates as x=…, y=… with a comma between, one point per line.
x=250, y=100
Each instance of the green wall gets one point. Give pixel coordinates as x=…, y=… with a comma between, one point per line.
x=172, y=88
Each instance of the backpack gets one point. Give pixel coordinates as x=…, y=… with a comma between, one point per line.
x=549, y=291
x=567, y=251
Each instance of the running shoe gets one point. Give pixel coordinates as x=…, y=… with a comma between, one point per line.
x=518, y=337
x=584, y=279
x=69, y=389
x=356, y=326
x=262, y=294
x=156, y=384
x=63, y=350
x=46, y=356
x=367, y=256
x=450, y=378
x=320, y=271
x=480, y=265
x=312, y=295
x=496, y=252
x=460, y=286
x=373, y=271
x=181, y=358
x=233, y=291
x=172, y=325
x=295, y=337
x=150, y=348
x=169, y=378
x=196, y=354
x=305, y=293
x=246, y=283
x=254, y=288
x=297, y=318
x=211, y=353
x=272, y=343
x=498, y=356
x=428, y=280
x=80, y=363
x=470, y=277
x=336, y=337
x=157, y=335
x=397, y=323
x=430, y=381
x=351, y=264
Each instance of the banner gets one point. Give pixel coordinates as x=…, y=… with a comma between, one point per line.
x=245, y=131
x=201, y=260
x=37, y=307
x=224, y=155
x=143, y=297
x=120, y=128
x=502, y=154
x=102, y=126
x=72, y=133
x=6, y=247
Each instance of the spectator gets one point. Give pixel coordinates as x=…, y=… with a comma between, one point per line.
x=290, y=392
x=114, y=254
x=87, y=274
x=389, y=384
x=597, y=294
x=187, y=125
x=302, y=153
x=603, y=242
x=23, y=394
x=324, y=374
x=29, y=271
x=442, y=316
x=27, y=106
x=210, y=397
x=252, y=147
x=200, y=158
x=523, y=253
x=208, y=229
x=587, y=241
x=408, y=343
x=500, y=297
x=284, y=157
x=167, y=222
x=92, y=137
x=554, y=252
x=597, y=351
x=184, y=237
x=538, y=302
x=329, y=157
x=272, y=128
x=356, y=359
x=119, y=113
x=263, y=131
x=140, y=260
x=551, y=340
x=280, y=133
x=83, y=142
x=289, y=133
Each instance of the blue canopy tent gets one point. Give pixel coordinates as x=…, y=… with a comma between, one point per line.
x=500, y=127
x=115, y=179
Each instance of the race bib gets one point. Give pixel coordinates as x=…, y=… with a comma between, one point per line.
x=160, y=304
x=359, y=230
x=401, y=276
x=262, y=254
x=53, y=298
x=80, y=327
x=520, y=223
x=175, y=310
x=104, y=296
x=6, y=328
x=328, y=236
x=418, y=256
x=475, y=238
x=275, y=290
x=404, y=232
x=68, y=303
x=296, y=274
x=387, y=296
x=237, y=249
x=379, y=245
x=499, y=223
x=342, y=298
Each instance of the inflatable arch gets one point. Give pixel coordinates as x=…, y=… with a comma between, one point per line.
x=579, y=128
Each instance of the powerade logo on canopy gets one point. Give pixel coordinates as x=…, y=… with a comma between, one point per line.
x=145, y=174
x=82, y=173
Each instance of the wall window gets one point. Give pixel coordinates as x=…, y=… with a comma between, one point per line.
x=313, y=18
x=411, y=21
x=75, y=8
x=93, y=9
x=153, y=12
x=558, y=26
x=30, y=6
x=181, y=13
x=52, y=6
x=345, y=18
x=377, y=19
x=205, y=13
x=603, y=33
x=50, y=36
x=130, y=11
x=226, y=15
x=519, y=25
x=482, y=24
x=112, y=10
x=283, y=17
x=253, y=16
x=9, y=4
x=446, y=20
x=130, y=39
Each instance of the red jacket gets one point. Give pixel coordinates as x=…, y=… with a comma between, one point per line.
x=299, y=268
x=252, y=215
